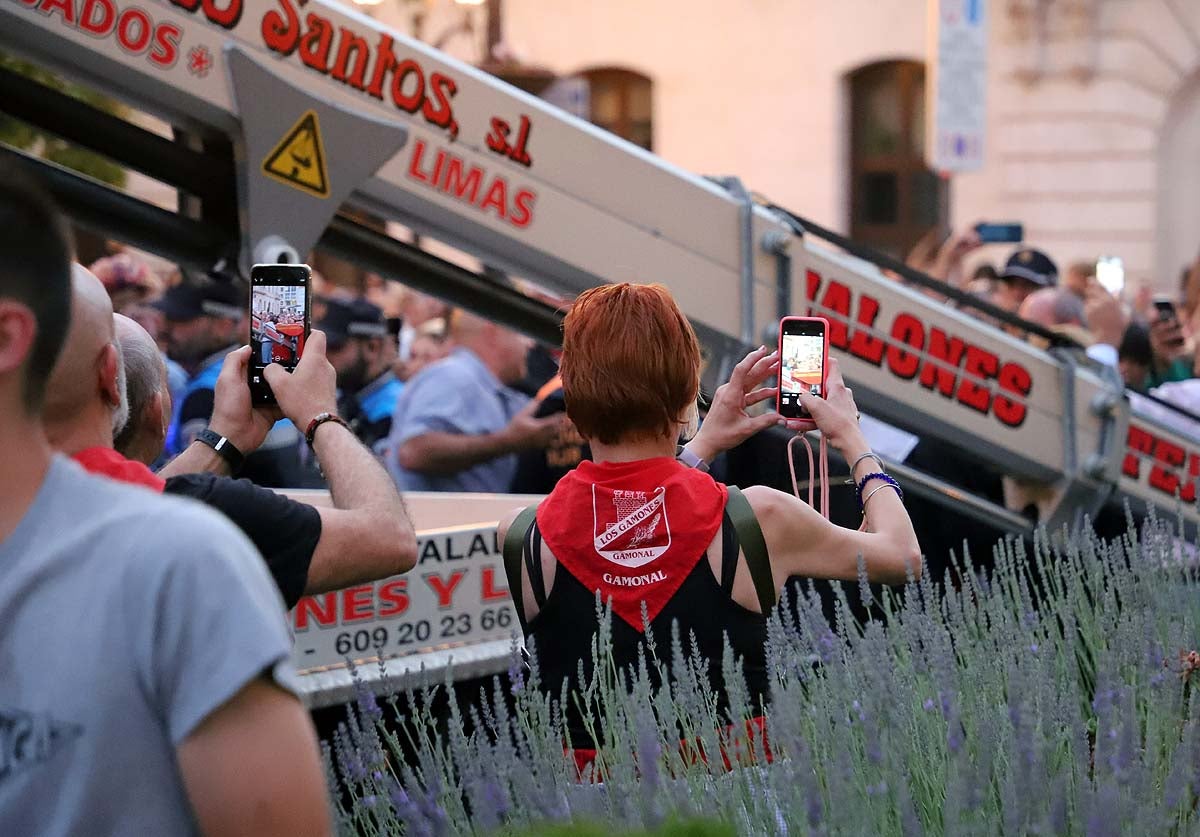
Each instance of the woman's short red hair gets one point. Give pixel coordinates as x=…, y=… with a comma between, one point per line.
x=630, y=364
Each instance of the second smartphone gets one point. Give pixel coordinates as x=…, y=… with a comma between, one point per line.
x=803, y=359
x=279, y=322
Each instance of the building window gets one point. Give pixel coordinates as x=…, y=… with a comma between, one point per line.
x=621, y=102
x=894, y=197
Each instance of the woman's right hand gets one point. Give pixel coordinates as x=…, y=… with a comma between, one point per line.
x=836, y=415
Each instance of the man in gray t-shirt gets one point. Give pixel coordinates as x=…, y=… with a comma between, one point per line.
x=144, y=675
x=128, y=619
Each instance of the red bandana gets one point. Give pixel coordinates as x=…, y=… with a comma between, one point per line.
x=632, y=530
x=108, y=463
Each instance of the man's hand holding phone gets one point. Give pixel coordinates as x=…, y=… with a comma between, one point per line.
x=234, y=416
x=308, y=391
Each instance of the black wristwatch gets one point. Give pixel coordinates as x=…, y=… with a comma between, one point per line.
x=224, y=448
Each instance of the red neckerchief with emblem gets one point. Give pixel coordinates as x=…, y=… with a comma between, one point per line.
x=632, y=530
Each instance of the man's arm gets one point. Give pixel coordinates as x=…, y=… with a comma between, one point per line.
x=438, y=452
x=368, y=534
x=252, y=767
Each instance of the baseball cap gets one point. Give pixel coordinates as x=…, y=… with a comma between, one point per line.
x=189, y=300
x=357, y=318
x=1032, y=265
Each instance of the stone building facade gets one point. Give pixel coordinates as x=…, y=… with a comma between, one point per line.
x=1093, y=134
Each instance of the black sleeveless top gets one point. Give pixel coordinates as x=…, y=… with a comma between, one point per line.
x=566, y=622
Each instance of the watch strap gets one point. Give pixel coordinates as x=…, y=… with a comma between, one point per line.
x=690, y=459
x=233, y=457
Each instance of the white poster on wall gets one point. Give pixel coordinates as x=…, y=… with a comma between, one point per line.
x=957, y=85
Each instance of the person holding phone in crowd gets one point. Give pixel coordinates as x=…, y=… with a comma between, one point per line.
x=638, y=527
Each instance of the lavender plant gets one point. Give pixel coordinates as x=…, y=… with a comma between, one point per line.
x=1052, y=695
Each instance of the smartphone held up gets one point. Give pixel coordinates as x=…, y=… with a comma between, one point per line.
x=803, y=359
x=279, y=321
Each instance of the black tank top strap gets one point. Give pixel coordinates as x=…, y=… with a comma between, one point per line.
x=730, y=547
x=532, y=552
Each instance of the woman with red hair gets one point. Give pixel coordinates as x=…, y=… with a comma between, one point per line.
x=644, y=530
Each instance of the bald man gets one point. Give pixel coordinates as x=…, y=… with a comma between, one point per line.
x=459, y=424
x=1097, y=324
x=130, y=725
x=85, y=405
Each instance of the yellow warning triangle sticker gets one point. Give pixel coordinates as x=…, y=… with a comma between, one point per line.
x=299, y=158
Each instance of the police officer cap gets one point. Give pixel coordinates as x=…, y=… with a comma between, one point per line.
x=357, y=318
x=1032, y=265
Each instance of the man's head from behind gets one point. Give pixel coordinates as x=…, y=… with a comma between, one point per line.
x=85, y=397
x=501, y=349
x=1053, y=307
x=147, y=392
x=35, y=293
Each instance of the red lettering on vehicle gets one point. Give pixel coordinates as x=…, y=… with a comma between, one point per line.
x=226, y=18
x=358, y=604
x=135, y=29
x=864, y=345
x=444, y=588
x=314, y=46
x=166, y=45
x=1166, y=454
x=1016, y=379
x=322, y=609
x=411, y=88
x=393, y=597
x=453, y=176
x=944, y=351
x=980, y=363
x=1137, y=441
x=492, y=593
x=836, y=301
x=908, y=330
x=348, y=44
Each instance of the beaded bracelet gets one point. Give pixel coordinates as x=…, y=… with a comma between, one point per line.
x=878, y=475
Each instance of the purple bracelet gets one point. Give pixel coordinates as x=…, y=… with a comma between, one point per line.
x=877, y=475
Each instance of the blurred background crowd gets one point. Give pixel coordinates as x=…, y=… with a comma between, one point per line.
x=384, y=337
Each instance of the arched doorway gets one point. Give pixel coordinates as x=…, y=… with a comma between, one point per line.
x=1178, y=233
x=894, y=197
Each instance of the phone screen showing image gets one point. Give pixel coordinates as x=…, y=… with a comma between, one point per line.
x=279, y=322
x=802, y=363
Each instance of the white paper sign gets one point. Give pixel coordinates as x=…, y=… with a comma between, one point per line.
x=957, y=85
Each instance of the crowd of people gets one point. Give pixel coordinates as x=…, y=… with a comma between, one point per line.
x=136, y=498
x=1152, y=340
x=470, y=424
x=181, y=675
